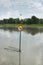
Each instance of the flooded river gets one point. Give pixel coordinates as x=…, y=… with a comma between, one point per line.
x=31, y=46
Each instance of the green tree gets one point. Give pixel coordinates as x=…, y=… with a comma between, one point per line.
x=5, y=21
x=34, y=19
x=41, y=21
x=10, y=20
x=29, y=21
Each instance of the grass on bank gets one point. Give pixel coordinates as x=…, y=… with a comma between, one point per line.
x=24, y=25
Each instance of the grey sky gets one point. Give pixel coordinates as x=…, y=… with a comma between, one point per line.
x=13, y=8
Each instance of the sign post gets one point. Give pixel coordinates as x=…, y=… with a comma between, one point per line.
x=20, y=27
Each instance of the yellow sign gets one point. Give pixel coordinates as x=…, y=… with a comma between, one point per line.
x=20, y=27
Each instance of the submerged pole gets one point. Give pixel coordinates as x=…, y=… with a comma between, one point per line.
x=20, y=42
x=20, y=27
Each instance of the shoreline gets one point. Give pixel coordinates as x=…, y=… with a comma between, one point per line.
x=24, y=25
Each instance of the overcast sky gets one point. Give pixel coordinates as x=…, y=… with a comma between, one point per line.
x=21, y=8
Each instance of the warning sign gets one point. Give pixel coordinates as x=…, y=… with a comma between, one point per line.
x=20, y=27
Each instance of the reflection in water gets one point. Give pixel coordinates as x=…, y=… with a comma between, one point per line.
x=14, y=49
x=9, y=28
x=19, y=58
x=30, y=30
x=33, y=31
x=32, y=47
x=41, y=48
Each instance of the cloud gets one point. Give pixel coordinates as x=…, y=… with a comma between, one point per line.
x=13, y=8
x=9, y=14
x=6, y=3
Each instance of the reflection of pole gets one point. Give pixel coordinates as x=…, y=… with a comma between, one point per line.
x=19, y=58
x=20, y=42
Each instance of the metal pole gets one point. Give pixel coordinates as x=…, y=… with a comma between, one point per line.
x=20, y=42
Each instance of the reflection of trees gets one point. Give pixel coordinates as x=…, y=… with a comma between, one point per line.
x=30, y=30
x=33, y=31
x=41, y=30
x=9, y=28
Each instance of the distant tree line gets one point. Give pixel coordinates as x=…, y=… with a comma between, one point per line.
x=32, y=20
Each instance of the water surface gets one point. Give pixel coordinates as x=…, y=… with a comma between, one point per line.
x=31, y=46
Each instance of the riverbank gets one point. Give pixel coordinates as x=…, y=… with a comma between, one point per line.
x=24, y=25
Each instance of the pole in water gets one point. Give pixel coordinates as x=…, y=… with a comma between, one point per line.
x=20, y=27
x=20, y=42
